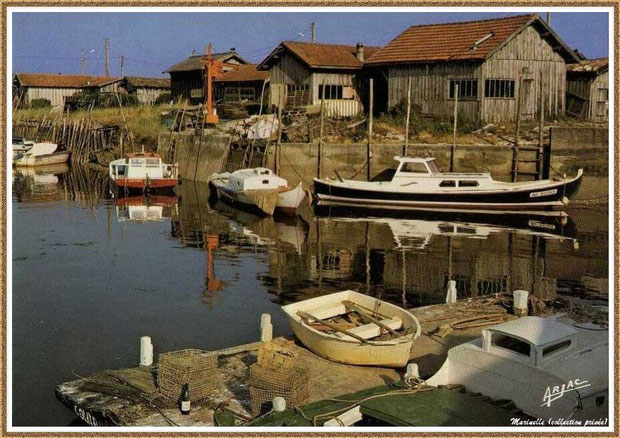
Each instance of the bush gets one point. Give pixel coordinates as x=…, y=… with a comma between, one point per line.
x=163, y=99
x=109, y=100
x=40, y=103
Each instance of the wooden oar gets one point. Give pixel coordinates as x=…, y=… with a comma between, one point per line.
x=351, y=305
x=332, y=326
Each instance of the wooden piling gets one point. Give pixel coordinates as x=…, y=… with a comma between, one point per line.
x=369, y=146
x=406, y=146
x=456, y=116
x=320, y=147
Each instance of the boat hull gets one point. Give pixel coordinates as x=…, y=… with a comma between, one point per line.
x=129, y=186
x=43, y=160
x=288, y=201
x=552, y=195
x=393, y=353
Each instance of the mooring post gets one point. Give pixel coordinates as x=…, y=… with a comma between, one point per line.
x=146, y=351
x=277, y=155
x=266, y=328
x=519, y=304
x=406, y=146
x=369, y=147
x=541, y=125
x=456, y=115
x=320, y=147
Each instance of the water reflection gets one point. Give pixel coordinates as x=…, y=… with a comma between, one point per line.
x=146, y=208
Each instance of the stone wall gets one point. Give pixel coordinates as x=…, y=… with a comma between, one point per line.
x=579, y=137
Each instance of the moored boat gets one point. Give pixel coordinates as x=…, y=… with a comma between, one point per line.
x=353, y=328
x=143, y=172
x=41, y=154
x=551, y=368
x=258, y=189
x=417, y=183
x=21, y=146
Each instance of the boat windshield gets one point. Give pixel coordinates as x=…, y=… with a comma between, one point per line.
x=432, y=166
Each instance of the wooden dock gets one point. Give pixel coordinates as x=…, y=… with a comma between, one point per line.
x=130, y=397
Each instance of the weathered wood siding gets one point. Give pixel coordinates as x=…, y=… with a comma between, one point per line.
x=599, y=101
x=147, y=96
x=55, y=95
x=110, y=88
x=431, y=82
x=430, y=87
x=338, y=107
x=527, y=50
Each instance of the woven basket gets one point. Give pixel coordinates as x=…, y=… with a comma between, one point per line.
x=197, y=368
x=276, y=374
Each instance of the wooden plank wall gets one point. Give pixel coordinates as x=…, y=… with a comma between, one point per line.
x=430, y=87
x=599, y=106
x=529, y=50
x=337, y=107
x=430, y=82
x=55, y=95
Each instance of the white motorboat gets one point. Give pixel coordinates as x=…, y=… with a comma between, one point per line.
x=356, y=329
x=551, y=368
x=258, y=189
x=41, y=154
x=417, y=183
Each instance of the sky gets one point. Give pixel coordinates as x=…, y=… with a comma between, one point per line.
x=51, y=42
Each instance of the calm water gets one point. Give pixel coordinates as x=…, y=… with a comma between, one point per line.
x=90, y=275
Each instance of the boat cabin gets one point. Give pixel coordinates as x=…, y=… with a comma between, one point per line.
x=411, y=168
x=141, y=166
x=530, y=340
x=259, y=178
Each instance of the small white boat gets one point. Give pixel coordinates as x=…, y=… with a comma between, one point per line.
x=258, y=189
x=549, y=367
x=356, y=329
x=142, y=172
x=42, y=154
x=21, y=146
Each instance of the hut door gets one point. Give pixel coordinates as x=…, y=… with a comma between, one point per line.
x=529, y=106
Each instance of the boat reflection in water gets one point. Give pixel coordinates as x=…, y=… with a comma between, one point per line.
x=39, y=184
x=415, y=229
x=146, y=208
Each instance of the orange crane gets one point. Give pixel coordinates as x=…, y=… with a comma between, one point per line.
x=214, y=68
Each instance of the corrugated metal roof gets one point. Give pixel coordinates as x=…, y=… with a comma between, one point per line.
x=50, y=80
x=324, y=55
x=598, y=65
x=142, y=82
x=244, y=73
x=195, y=62
x=466, y=40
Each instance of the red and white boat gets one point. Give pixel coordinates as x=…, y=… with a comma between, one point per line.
x=143, y=172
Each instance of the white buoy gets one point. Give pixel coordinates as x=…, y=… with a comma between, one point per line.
x=279, y=404
x=451, y=292
x=413, y=372
x=519, y=304
x=146, y=351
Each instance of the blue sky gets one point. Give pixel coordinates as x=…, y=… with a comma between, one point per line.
x=151, y=42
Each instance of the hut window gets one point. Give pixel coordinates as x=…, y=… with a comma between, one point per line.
x=238, y=94
x=499, y=88
x=333, y=92
x=468, y=88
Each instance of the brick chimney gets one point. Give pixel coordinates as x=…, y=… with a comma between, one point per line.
x=359, y=52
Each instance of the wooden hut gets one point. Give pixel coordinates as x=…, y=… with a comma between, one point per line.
x=187, y=78
x=243, y=83
x=57, y=87
x=492, y=62
x=587, y=90
x=302, y=72
x=147, y=90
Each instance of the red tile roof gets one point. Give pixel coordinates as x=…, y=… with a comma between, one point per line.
x=50, y=80
x=453, y=41
x=589, y=66
x=244, y=73
x=316, y=55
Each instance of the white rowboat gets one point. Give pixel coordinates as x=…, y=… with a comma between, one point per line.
x=358, y=345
